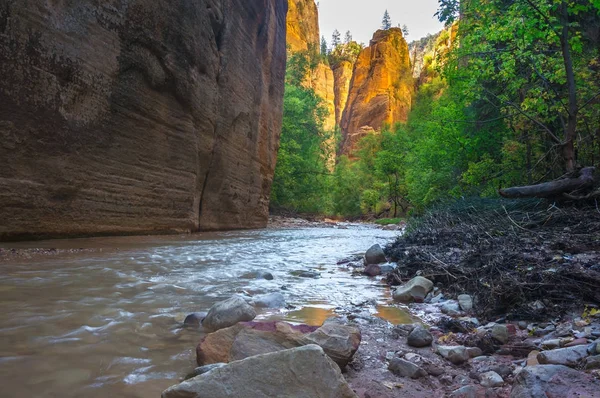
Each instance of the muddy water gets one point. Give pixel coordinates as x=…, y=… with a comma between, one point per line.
x=108, y=322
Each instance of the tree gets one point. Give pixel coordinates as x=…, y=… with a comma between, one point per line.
x=335, y=39
x=386, y=22
x=348, y=37
x=323, y=46
x=533, y=60
x=405, y=30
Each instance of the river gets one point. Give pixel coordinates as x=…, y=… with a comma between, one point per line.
x=107, y=321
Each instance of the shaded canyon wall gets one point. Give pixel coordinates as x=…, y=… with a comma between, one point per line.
x=138, y=116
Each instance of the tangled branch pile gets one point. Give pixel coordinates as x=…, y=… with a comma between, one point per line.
x=521, y=259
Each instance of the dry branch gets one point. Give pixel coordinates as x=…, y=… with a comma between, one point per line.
x=552, y=188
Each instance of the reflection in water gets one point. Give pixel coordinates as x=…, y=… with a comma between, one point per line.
x=107, y=322
x=394, y=315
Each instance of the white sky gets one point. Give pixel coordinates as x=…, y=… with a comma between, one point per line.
x=363, y=17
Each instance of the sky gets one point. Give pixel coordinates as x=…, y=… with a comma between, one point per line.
x=363, y=17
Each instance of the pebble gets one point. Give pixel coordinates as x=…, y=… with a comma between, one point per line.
x=500, y=333
x=405, y=368
x=577, y=342
x=419, y=337
x=466, y=302
x=551, y=344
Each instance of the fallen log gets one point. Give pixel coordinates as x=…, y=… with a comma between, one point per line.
x=553, y=188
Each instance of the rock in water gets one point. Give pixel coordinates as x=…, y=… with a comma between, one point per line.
x=405, y=368
x=149, y=116
x=195, y=319
x=373, y=270
x=415, y=290
x=271, y=300
x=554, y=381
x=375, y=255
x=338, y=341
x=304, y=372
x=227, y=313
x=419, y=337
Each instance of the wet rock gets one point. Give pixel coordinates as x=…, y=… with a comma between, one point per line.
x=414, y=290
x=451, y=308
x=571, y=356
x=419, y=337
x=306, y=274
x=500, y=333
x=402, y=330
x=338, y=341
x=592, y=362
x=195, y=319
x=454, y=354
x=227, y=313
x=387, y=268
x=271, y=300
x=491, y=379
x=372, y=270
x=553, y=381
x=200, y=370
x=404, y=368
x=375, y=255
x=246, y=339
x=300, y=372
x=466, y=302
x=258, y=275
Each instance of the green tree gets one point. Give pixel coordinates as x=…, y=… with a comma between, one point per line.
x=323, y=46
x=348, y=37
x=335, y=39
x=386, y=22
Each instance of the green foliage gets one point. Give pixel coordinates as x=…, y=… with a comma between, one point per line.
x=386, y=21
x=388, y=221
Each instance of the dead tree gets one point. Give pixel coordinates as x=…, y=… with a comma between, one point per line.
x=555, y=188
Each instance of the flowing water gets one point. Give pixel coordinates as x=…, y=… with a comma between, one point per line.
x=108, y=322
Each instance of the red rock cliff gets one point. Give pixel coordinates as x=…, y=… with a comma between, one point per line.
x=303, y=25
x=381, y=88
x=139, y=116
x=342, y=74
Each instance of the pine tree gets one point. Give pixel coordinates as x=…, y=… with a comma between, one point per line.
x=323, y=46
x=405, y=30
x=348, y=37
x=335, y=39
x=386, y=22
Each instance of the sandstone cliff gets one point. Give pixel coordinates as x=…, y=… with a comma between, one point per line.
x=381, y=88
x=321, y=80
x=303, y=25
x=342, y=75
x=139, y=116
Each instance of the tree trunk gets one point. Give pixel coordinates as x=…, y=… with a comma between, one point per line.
x=571, y=129
x=552, y=188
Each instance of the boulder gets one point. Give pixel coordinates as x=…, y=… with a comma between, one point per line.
x=419, y=337
x=372, y=270
x=227, y=313
x=466, y=302
x=571, y=356
x=195, y=319
x=404, y=368
x=271, y=300
x=303, y=372
x=451, y=308
x=375, y=255
x=491, y=379
x=554, y=381
x=414, y=290
x=455, y=354
x=246, y=339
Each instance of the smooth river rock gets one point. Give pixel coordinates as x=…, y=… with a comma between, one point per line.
x=419, y=337
x=404, y=368
x=304, y=372
x=414, y=290
x=145, y=116
x=375, y=255
x=227, y=313
x=572, y=356
x=454, y=354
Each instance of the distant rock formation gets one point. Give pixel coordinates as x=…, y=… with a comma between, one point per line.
x=342, y=74
x=381, y=89
x=303, y=25
x=142, y=116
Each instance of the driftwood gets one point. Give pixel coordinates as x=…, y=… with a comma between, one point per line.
x=553, y=188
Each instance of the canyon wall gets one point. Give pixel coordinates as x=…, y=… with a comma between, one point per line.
x=381, y=89
x=342, y=75
x=138, y=116
x=303, y=26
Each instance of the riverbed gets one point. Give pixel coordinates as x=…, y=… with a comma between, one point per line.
x=106, y=320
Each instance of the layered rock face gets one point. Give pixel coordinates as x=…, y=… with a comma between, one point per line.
x=321, y=80
x=138, y=116
x=381, y=89
x=303, y=25
x=342, y=75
